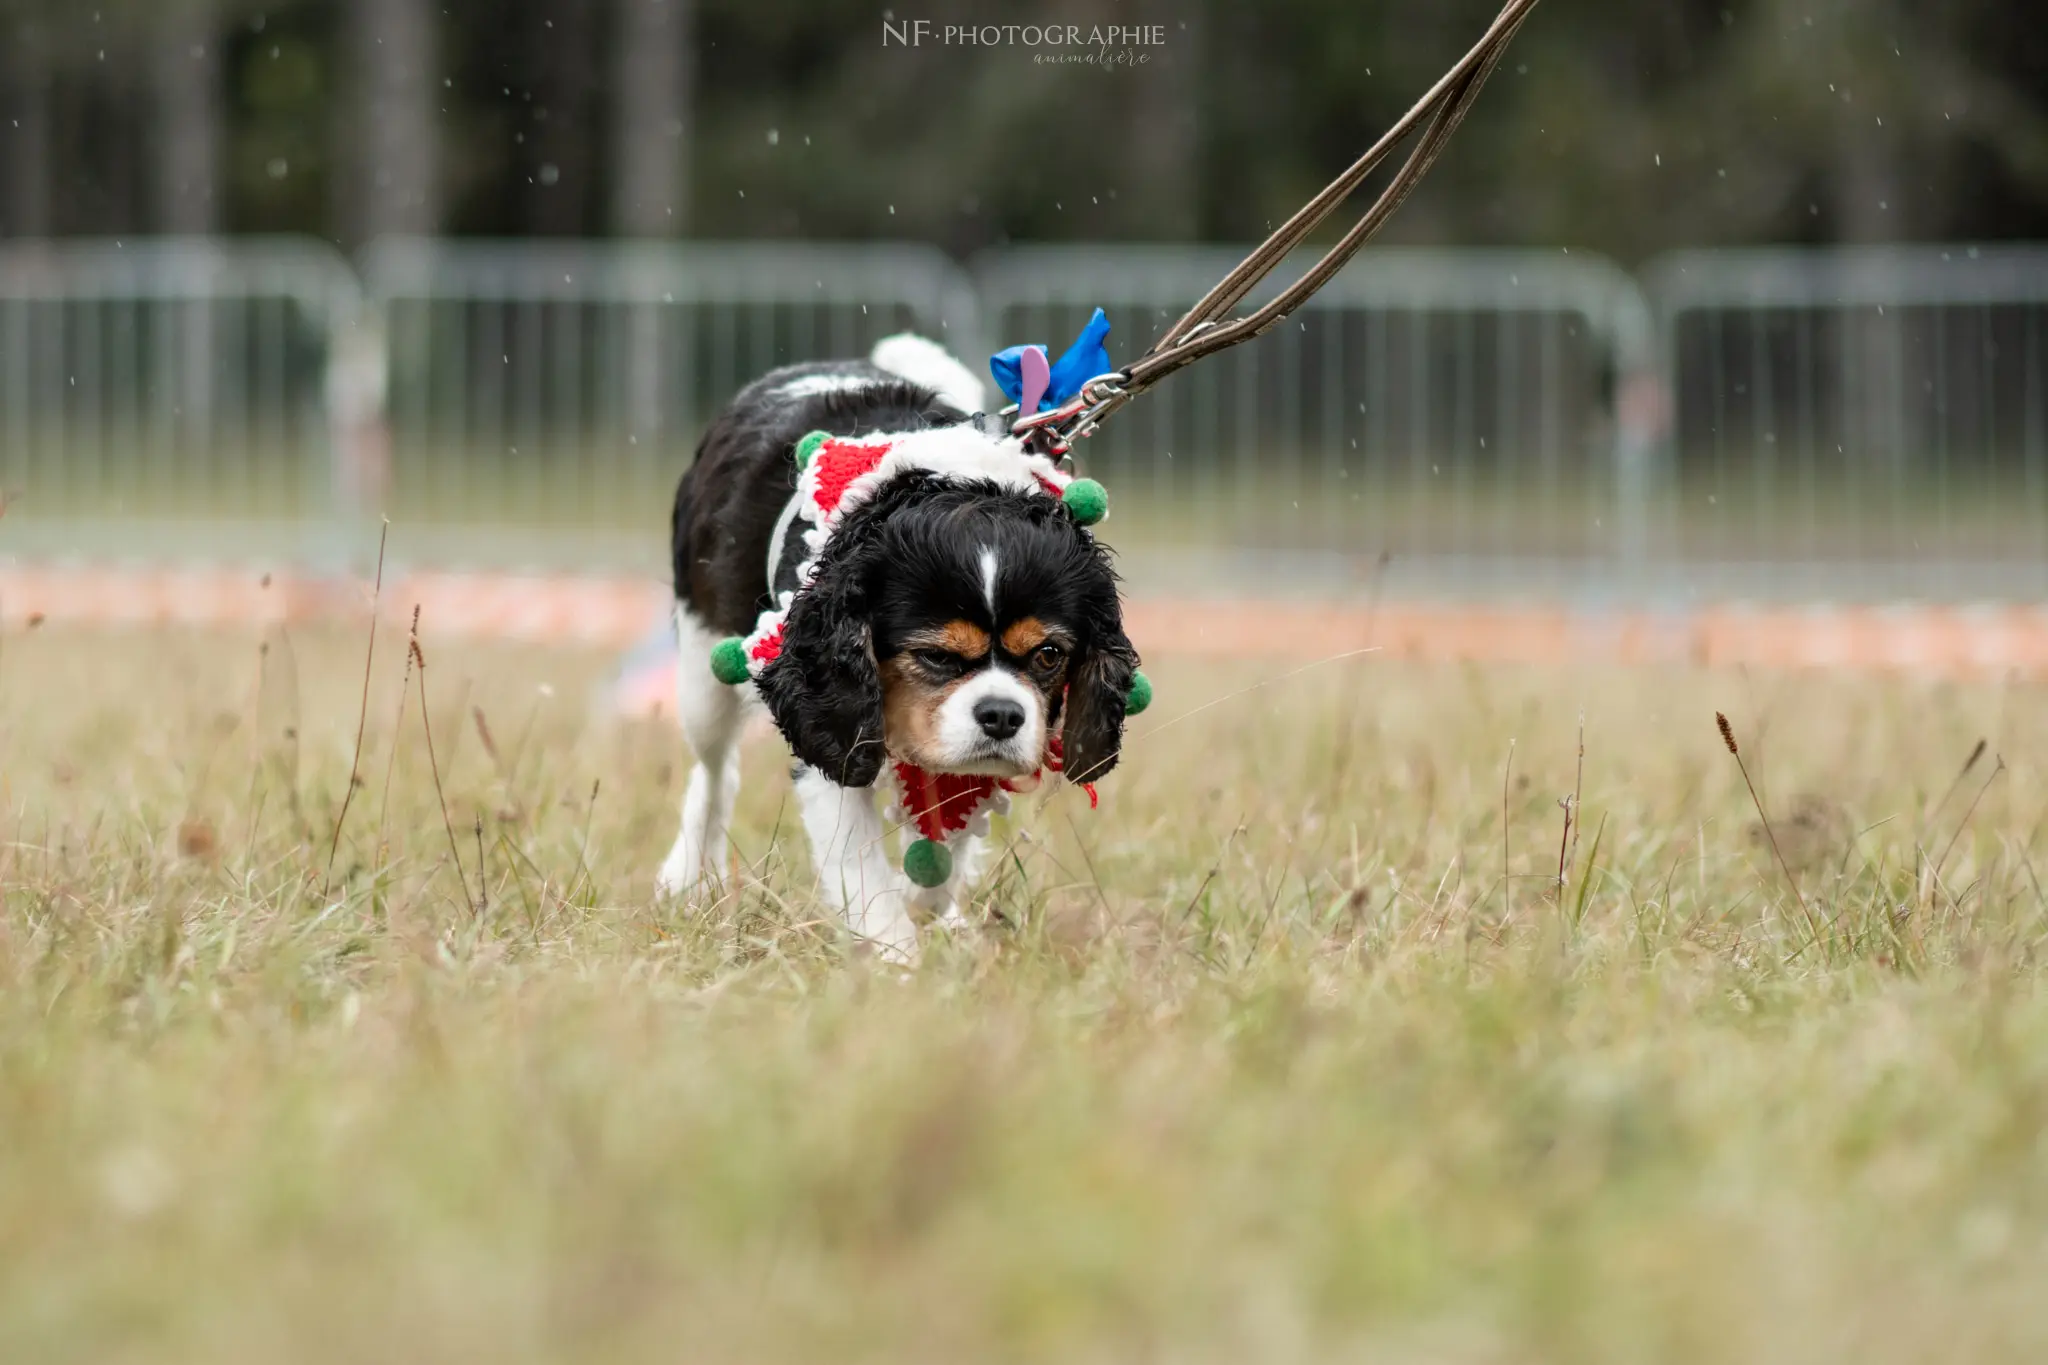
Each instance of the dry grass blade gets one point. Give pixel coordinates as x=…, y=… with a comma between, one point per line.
x=355, y=763
x=1578, y=790
x=1564, y=836
x=1569, y=859
x=397, y=728
x=1507, y=885
x=419, y=659
x=1194, y=900
x=1347, y=720
x=1969, y=814
x=483, y=733
x=1806, y=911
x=1955, y=783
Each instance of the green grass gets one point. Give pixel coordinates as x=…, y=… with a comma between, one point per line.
x=1261, y=1061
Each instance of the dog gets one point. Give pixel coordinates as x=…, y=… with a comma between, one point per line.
x=956, y=621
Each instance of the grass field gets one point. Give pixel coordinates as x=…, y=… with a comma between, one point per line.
x=1261, y=1061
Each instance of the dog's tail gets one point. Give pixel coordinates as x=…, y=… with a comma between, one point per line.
x=921, y=361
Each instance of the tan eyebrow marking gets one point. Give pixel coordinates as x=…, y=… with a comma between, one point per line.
x=964, y=638
x=1024, y=636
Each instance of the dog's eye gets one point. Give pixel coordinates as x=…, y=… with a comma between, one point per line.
x=940, y=661
x=1047, y=657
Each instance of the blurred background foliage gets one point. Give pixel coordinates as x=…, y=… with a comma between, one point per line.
x=1622, y=125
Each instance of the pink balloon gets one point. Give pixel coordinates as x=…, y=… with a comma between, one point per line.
x=1034, y=377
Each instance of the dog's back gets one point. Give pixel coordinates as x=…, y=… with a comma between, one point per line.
x=745, y=472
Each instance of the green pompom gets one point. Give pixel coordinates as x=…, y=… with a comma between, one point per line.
x=729, y=661
x=808, y=447
x=928, y=863
x=1087, y=500
x=1140, y=695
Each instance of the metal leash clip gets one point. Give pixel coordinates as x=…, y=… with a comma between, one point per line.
x=1057, y=429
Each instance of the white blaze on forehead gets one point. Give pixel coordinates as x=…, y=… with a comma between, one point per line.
x=988, y=579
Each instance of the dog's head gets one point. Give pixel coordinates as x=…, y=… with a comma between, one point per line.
x=956, y=626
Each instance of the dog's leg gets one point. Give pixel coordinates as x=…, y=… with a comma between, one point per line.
x=712, y=715
x=855, y=875
x=943, y=902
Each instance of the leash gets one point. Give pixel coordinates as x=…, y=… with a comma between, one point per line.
x=1203, y=330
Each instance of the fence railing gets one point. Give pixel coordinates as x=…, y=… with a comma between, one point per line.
x=1435, y=404
x=1884, y=407
x=565, y=386
x=1866, y=423
x=159, y=381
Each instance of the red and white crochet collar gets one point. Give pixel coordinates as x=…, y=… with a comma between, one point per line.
x=840, y=475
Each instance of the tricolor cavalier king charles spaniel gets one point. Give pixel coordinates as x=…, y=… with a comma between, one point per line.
x=963, y=625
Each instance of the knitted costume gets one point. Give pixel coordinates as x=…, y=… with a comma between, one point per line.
x=837, y=474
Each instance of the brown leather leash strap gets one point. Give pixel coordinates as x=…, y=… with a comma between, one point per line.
x=1202, y=332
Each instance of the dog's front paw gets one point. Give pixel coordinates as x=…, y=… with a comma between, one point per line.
x=686, y=875
x=886, y=927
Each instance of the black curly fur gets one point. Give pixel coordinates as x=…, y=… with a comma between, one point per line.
x=825, y=688
x=726, y=504
x=909, y=559
x=904, y=561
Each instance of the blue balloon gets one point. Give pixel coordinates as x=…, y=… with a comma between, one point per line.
x=1081, y=362
x=1008, y=368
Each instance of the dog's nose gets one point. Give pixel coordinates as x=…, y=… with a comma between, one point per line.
x=998, y=717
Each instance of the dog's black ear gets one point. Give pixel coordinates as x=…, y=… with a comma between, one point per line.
x=824, y=689
x=1098, y=687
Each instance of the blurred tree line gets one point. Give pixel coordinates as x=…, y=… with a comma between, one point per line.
x=1624, y=125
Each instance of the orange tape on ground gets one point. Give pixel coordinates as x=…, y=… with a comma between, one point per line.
x=615, y=613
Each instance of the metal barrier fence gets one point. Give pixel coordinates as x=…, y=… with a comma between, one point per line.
x=564, y=386
x=1444, y=406
x=1883, y=408
x=1754, y=423
x=161, y=381
x=1420, y=406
